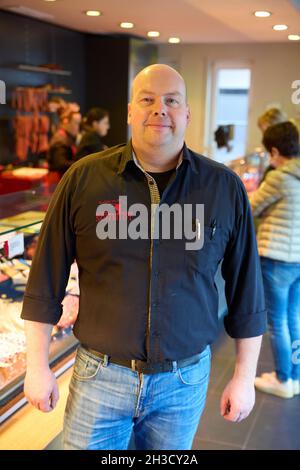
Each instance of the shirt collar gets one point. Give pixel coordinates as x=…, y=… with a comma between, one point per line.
x=128, y=156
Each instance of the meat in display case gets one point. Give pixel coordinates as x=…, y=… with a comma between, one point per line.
x=21, y=216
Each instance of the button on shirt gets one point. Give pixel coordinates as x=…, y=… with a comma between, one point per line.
x=146, y=298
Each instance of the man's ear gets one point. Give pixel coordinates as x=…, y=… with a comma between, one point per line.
x=188, y=116
x=129, y=113
x=275, y=152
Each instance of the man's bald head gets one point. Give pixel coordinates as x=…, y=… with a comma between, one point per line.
x=162, y=72
x=158, y=112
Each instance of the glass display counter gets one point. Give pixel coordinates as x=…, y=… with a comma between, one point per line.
x=21, y=217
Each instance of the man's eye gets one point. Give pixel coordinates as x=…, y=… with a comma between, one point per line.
x=147, y=100
x=172, y=101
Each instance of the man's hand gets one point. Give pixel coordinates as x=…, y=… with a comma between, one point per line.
x=237, y=399
x=70, y=311
x=41, y=389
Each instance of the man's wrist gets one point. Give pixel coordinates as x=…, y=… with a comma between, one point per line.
x=243, y=375
x=34, y=367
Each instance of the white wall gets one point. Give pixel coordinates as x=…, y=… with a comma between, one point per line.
x=274, y=68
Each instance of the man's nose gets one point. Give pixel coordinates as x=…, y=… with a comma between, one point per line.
x=160, y=113
x=159, y=108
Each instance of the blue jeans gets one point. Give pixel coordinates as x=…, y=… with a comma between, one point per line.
x=282, y=291
x=107, y=402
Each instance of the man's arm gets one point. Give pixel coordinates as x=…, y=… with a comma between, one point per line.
x=267, y=194
x=40, y=386
x=45, y=290
x=238, y=397
x=246, y=317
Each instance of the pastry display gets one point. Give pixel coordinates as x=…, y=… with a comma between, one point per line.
x=12, y=337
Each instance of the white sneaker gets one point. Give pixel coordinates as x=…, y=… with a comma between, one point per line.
x=296, y=386
x=266, y=374
x=269, y=383
x=296, y=383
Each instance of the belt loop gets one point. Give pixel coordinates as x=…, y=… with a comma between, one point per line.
x=105, y=360
x=174, y=366
x=133, y=365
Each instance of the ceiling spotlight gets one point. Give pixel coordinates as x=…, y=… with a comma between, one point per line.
x=262, y=14
x=126, y=25
x=280, y=27
x=294, y=37
x=93, y=13
x=174, y=40
x=153, y=34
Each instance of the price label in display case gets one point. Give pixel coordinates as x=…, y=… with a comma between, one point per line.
x=14, y=246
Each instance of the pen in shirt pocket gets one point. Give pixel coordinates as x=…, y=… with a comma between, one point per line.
x=213, y=227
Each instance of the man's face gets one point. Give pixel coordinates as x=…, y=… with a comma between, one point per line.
x=158, y=113
x=275, y=160
x=73, y=125
x=102, y=126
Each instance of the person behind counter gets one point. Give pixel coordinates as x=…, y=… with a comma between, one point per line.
x=277, y=203
x=55, y=104
x=271, y=117
x=62, y=148
x=96, y=126
x=148, y=305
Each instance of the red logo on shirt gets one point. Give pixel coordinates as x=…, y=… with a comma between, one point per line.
x=117, y=214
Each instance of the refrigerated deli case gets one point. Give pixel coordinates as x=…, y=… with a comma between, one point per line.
x=250, y=168
x=21, y=217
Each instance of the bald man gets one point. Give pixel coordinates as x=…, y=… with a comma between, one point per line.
x=148, y=301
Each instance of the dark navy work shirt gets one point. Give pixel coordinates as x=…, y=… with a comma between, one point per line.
x=148, y=299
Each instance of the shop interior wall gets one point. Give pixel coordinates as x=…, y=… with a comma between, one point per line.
x=274, y=68
x=107, y=62
x=112, y=62
x=28, y=41
x=100, y=65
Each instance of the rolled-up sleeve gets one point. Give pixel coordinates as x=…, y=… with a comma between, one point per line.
x=51, y=264
x=241, y=271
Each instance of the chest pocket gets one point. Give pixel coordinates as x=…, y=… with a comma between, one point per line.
x=207, y=257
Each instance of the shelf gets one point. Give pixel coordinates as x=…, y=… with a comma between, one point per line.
x=33, y=68
x=58, y=92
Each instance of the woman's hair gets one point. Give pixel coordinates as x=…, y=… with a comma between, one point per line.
x=95, y=114
x=57, y=100
x=284, y=137
x=271, y=117
x=65, y=113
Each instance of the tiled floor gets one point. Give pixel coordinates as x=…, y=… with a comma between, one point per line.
x=273, y=424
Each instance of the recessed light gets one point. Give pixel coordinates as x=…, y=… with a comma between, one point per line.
x=126, y=25
x=174, y=40
x=153, y=34
x=262, y=14
x=50, y=0
x=294, y=37
x=93, y=13
x=280, y=27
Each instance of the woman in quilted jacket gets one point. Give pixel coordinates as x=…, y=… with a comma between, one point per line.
x=277, y=204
